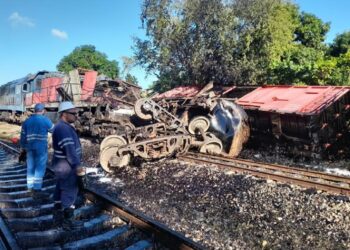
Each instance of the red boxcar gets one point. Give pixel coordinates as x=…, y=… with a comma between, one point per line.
x=314, y=117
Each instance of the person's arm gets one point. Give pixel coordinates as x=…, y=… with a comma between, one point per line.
x=67, y=144
x=49, y=125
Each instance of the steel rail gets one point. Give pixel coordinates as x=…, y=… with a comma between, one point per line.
x=282, y=168
x=265, y=173
x=6, y=236
x=9, y=147
x=158, y=232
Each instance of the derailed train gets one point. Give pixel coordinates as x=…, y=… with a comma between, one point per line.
x=307, y=120
x=104, y=103
x=311, y=121
x=205, y=122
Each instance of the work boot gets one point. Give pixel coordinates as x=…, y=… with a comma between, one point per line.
x=57, y=214
x=69, y=223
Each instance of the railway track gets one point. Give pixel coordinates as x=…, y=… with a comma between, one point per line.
x=305, y=178
x=26, y=223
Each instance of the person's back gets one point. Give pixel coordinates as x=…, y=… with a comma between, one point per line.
x=36, y=129
x=34, y=142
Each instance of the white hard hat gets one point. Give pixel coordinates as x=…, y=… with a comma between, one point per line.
x=65, y=106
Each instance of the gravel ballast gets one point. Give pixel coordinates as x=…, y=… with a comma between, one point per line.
x=222, y=210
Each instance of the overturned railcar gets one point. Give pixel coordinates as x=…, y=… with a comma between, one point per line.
x=187, y=118
x=312, y=121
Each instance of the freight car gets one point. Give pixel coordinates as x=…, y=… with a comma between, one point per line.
x=105, y=104
x=310, y=121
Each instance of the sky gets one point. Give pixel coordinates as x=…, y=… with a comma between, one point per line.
x=36, y=34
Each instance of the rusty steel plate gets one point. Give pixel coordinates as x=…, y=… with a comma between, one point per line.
x=292, y=99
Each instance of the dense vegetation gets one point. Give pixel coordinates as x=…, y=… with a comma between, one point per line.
x=87, y=57
x=239, y=42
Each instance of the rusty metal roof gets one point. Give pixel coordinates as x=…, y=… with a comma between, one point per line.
x=179, y=92
x=292, y=99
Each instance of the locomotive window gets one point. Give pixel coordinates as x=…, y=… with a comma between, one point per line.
x=25, y=87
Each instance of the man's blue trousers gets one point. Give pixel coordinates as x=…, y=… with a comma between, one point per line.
x=36, y=166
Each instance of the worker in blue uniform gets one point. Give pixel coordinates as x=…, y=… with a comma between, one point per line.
x=67, y=166
x=34, y=142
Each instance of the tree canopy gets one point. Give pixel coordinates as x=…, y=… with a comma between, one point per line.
x=131, y=79
x=341, y=44
x=87, y=57
x=237, y=42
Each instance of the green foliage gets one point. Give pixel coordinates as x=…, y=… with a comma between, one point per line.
x=87, y=57
x=296, y=66
x=306, y=62
x=311, y=31
x=310, y=67
x=237, y=42
x=131, y=79
x=343, y=65
x=194, y=42
x=341, y=44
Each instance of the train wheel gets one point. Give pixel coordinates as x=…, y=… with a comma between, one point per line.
x=197, y=124
x=129, y=126
x=112, y=141
x=140, y=111
x=110, y=160
x=211, y=148
x=212, y=145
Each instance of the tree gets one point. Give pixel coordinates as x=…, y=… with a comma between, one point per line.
x=297, y=66
x=87, y=57
x=311, y=32
x=198, y=41
x=341, y=44
x=238, y=42
x=304, y=62
x=131, y=79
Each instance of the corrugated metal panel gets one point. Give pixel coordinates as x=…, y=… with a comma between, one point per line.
x=18, y=95
x=48, y=91
x=292, y=99
x=53, y=83
x=89, y=84
x=36, y=98
x=74, y=85
x=44, y=92
x=29, y=99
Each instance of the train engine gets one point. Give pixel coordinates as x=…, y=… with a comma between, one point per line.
x=105, y=104
x=205, y=122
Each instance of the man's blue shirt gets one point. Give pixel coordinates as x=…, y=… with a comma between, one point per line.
x=34, y=132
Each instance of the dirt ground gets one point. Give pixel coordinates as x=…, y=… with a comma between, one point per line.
x=9, y=131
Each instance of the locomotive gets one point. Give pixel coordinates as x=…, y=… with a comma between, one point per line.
x=104, y=104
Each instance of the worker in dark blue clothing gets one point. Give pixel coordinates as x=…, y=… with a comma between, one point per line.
x=67, y=166
x=34, y=142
